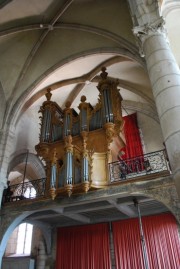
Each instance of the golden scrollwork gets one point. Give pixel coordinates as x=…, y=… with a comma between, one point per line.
x=109, y=128
x=68, y=143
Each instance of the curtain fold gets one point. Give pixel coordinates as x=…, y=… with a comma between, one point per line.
x=133, y=146
x=163, y=243
x=127, y=246
x=83, y=247
x=161, y=237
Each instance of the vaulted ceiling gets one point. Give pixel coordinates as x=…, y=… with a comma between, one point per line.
x=64, y=44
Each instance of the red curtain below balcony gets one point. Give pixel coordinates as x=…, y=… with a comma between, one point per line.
x=83, y=247
x=162, y=241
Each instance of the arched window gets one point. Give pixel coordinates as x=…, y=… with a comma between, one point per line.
x=24, y=239
x=19, y=243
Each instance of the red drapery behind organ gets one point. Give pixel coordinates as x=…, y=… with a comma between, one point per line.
x=83, y=247
x=162, y=241
x=133, y=146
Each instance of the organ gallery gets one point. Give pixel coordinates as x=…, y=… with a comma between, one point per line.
x=77, y=146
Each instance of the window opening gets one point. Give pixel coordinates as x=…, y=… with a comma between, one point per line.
x=24, y=239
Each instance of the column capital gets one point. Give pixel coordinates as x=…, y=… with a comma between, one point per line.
x=144, y=31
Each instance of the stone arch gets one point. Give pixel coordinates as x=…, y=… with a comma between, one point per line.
x=145, y=109
x=11, y=222
x=35, y=168
x=166, y=195
x=8, y=225
x=169, y=6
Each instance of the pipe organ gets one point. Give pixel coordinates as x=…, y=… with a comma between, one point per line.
x=77, y=147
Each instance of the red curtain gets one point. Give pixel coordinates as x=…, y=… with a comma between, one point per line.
x=127, y=247
x=83, y=247
x=133, y=146
x=162, y=241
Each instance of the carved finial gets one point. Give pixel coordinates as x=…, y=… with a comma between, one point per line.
x=83, y=98
x=68, y=104
x=52, y=193
x=104, y=73
x=69, y=189
x=48, y=94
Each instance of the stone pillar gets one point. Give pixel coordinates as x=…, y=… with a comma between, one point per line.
x=6, y=149
x=164, y=75
x=41, y=259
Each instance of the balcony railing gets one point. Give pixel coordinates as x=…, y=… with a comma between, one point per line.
x=27, y=190
x=151, y=164
x=146, y=164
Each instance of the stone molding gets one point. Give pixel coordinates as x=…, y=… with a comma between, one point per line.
x=142, y=33
x=34, y=162
x=168, y=196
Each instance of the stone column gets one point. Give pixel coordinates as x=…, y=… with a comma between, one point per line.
x=164, y=75
x=41, y=259
x=6, y=148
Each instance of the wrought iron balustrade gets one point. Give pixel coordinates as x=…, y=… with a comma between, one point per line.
x=27, y=190
x=146, y=164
